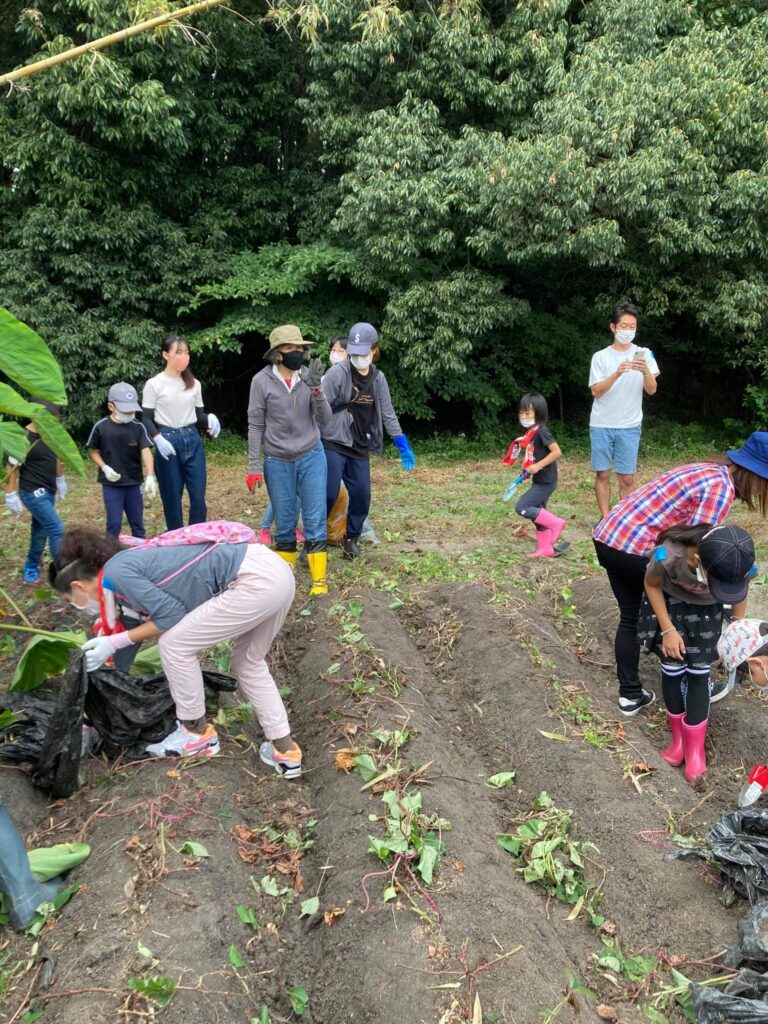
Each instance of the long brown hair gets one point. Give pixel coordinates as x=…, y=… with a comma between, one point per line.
x=750, y=488
x=81, y=554
x=178, y=339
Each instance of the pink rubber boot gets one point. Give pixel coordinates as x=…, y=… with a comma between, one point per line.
x=544, y=547
x=674, y=754
x=693, y=740
x=550, y=522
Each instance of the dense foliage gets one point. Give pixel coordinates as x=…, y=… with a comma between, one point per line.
x=483, y=182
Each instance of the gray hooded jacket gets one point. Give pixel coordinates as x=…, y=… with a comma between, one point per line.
x=337, y=385
x=283, y=424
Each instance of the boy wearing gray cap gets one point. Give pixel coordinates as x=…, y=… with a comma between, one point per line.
x=119, y=445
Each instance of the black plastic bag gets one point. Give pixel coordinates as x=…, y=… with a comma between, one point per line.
x=128, y=712
x=713, y=1007
x=739, y=845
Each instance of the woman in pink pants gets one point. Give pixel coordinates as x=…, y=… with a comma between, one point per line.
x=191, y=596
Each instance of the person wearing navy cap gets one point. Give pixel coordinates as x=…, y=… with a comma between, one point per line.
x=362, y=410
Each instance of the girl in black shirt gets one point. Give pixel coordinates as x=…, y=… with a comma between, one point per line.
x=533, y=412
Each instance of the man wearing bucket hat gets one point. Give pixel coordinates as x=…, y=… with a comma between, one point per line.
x=362, y=410
x=691, y=495
x=119, y=444
x=286, y=410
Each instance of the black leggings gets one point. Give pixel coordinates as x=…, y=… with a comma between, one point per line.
x=626, y=575
x=534, y=500
x=685, y=688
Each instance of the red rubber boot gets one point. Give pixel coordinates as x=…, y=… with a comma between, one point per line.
x=674, y=754
x=693, y=741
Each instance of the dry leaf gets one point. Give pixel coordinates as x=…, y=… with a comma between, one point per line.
x=133, y=843
x=345, y=759
x=129, y=889
x=330, y=915
x=576, y=910
x=271, y=927
x=431, y=952
x=457, y=865
x=349, y=729
x=554, y=736
x=607, y=1013
x=642, y=768
x=173, y=773
x=477, y=1012
x=608, y=927
x=621, y=732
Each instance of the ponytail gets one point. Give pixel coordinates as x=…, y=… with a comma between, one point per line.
x=82, y=553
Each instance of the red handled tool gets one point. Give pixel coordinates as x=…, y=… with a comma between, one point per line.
x=755, y=786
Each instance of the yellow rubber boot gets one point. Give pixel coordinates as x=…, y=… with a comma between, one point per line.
x=318, y=568
x=289, y=557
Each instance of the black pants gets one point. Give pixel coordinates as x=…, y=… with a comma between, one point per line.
x=626, y=574
x=534, y=500
x=356, y=474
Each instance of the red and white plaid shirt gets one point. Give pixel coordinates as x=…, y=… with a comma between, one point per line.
x=688, y=495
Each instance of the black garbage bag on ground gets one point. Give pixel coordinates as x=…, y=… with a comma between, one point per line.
x=739, y=845
x=128, y=712
x=713, y=1007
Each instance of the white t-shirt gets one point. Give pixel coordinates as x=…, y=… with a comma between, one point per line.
x=174, y=405
x=622, y=404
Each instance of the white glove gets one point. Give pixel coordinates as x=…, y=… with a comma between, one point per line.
x=214, y=427
x=164, y=446
x=110, y=473
x=150, y=488
x=96, y=652
x=14, y=503
x=61, y=487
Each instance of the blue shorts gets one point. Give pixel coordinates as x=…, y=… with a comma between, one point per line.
x=615, y=448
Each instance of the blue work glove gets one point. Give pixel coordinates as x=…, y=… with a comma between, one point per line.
x=407, y=457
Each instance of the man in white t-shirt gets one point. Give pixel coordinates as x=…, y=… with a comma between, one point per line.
x=618, y=377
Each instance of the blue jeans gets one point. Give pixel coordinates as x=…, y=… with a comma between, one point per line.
x=269, y=515
x=46, y=525
x=124, y=499
x=184, y=469
x=306, y=479
x=356, y=474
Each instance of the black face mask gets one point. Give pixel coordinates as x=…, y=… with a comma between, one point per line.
x=293, y=360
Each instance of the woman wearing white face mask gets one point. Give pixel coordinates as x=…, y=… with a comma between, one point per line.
x=119, y=445
x=362, y=409
x=618, y=377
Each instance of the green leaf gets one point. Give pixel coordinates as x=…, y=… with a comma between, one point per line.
x=355, y=609
x=510, y=844
x=43, y=657
x=501, y=779
x=32, y=1015
x=390, y=893
x=310, y=906
x=194, y=849
x=45, y=910
x=147, y=661
x=263, y=1018
x=26, y=359
x=299, y=999
x=248, y=916
x=158, y=989
x=13, y=441
x=395, y=604
x=234, y=957
x=50, y=861
x=49, y=428
x=427, y=863
x=365, y=764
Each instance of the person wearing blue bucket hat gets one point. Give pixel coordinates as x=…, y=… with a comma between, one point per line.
x=362, y=410
x=702, y=492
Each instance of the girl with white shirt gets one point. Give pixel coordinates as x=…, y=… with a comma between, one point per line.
x=173, y=410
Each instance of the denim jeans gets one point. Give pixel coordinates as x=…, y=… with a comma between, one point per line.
x=356, y=474
x=124, y=499
x=306, y=479
x=46, y=525
x=184, y=469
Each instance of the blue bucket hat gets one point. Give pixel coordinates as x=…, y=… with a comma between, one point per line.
x=753, y=455
x=361, y=339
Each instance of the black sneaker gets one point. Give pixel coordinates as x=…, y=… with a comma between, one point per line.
x=628, y=708
x=350, y=549
x=722, y=687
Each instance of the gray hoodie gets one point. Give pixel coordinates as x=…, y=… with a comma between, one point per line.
x=281, y=423
x=337, y=385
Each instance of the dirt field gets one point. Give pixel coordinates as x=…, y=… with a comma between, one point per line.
x=442, y=660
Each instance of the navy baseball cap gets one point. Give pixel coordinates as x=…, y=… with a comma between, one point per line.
x=727, y=555
x=361, y=339
x=124, y=398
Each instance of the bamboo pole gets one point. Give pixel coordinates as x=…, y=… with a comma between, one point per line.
x=114, y=37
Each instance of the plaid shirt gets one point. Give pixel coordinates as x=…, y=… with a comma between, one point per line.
x=688, y=495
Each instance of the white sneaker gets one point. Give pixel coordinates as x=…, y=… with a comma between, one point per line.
x=184, y=743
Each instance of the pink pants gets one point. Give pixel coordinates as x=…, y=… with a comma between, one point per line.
x=250, y=613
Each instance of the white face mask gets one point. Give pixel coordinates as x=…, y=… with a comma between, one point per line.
x=361, y=362
x=625, y=337
x=124, y=417
x=700, y=575
x=337, y=357
x=90, y=608
x=526, y=423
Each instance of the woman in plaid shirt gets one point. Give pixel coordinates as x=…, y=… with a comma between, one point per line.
x=686, y=496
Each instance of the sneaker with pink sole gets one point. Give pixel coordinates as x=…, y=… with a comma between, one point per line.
x=182, y=742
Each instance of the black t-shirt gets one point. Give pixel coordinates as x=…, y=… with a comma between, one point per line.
x=361, y=407
x=120, y=445
x=39, y=467
x=542, y=439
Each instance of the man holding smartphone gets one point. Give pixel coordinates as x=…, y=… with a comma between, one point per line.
x=618, y=377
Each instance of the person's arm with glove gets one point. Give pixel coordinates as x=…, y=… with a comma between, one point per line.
x=257, y=415
x=61, y=481
x=312, y=377
x=207, y=421
x=150, y=480
x=12, y=500
x=407, y=457
x=101, y=648
x=392, y=424
x=112, y=475
x=148, y=406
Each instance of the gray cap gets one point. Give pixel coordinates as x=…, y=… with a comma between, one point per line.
x=123, y=396
x=361, y=339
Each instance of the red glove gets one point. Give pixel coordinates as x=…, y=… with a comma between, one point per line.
x=253, y=480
